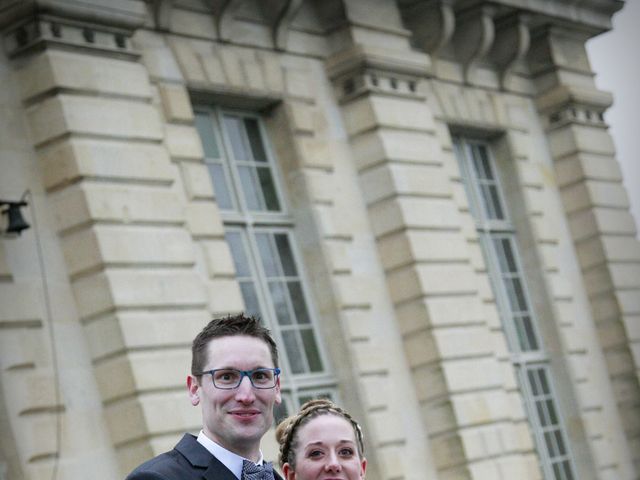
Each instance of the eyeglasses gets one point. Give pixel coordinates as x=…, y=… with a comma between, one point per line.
x=230, y=378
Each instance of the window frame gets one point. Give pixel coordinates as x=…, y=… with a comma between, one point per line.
x=522, y=360
x=248, y=223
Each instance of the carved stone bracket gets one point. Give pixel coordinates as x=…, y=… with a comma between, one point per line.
x=279, y=13
x=474, y=36
x=224, y=12
x=512, y=40
x=161, y=13
x=281, y=26
x=432, y=23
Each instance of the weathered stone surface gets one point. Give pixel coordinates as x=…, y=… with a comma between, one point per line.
x=76, y=158
x=73, y=71
x=86, y=115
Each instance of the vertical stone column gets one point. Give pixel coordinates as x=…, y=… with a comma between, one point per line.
x=119, y=214
x=597, y=208
x=460, y=385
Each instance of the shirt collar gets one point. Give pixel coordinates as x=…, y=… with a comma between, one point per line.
x=229, y=459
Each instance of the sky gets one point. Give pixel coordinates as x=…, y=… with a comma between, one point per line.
x=615, y=57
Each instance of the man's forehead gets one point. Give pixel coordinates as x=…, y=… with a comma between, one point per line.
x=237, y=339
x=239, y=348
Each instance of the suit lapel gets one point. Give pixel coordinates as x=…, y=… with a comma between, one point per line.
x=202, y=460
x=216, y=470
x=196, y=454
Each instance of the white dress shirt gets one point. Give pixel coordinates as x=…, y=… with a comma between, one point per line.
x=229, y=459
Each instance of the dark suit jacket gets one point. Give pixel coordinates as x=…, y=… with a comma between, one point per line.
x=187, y=461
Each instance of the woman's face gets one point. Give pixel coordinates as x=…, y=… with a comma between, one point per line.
x=326, y=450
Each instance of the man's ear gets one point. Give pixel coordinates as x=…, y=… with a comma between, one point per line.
x=193, y=387
x=288, y=472
x=278, y=395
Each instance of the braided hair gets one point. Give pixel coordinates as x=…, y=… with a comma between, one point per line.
x=286, y=433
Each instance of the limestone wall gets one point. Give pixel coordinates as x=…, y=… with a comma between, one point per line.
x=360, y=101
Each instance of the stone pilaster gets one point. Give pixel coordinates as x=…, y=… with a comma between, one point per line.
x=104, y=156
x=597, y=209
x=403, y=175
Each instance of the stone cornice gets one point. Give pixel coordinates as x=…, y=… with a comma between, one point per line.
x=588, y=15
x=361, y=57
x=565, y=95
x=365, y=69
x=103, y=27
x=565, y=104
x=126, y=15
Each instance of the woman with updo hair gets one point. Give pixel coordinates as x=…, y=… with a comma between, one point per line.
x=321, y=442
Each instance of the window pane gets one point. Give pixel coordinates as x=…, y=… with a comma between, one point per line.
x=280, y=411
x=234, y=130
x=560, y=443
x=551, y=409
x=543, y=382
x=566, y=467
x=481, y=164
x=485, y=195
x=550, y=441
x=205, y=129
x=521, y=332
x=268, y=189
x=250, y=188
x=240, y=261
x=484, y=160
x=297, y=300
x=530, y=334
x=510, y=261
x=220, y=186
x=557, y=471
x=253, y=132
x=311, y=349
x=533, y=382
x=267, y=255
x=280, y=304
x=494, y=199
x=516, y=295
x=542, y=414
x=477, y=168
x=286, y=256
x=505, y=255
x=251, y=304
x=293, y=351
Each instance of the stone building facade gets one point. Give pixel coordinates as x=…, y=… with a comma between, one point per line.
x=419, y=197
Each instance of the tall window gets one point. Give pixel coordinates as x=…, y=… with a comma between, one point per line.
x=259, y=232
x=498, y=243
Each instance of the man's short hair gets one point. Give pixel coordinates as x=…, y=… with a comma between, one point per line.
x=229, y=326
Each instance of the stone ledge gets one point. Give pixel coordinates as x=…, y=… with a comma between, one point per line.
x=362, y=57
x=126, y=14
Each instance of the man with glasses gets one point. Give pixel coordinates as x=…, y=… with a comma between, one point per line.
x=236, y=411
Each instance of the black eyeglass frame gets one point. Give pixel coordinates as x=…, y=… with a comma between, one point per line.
x=243, y=373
